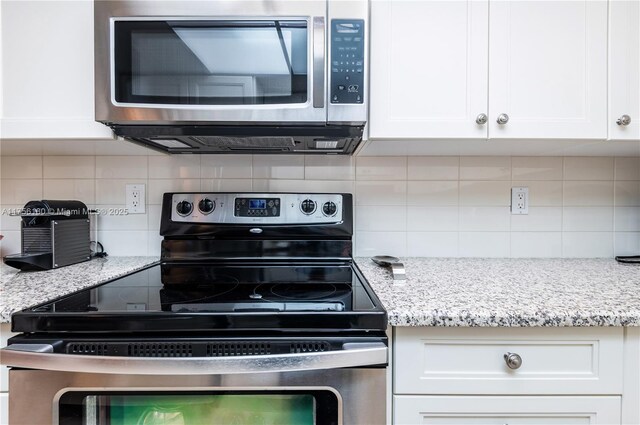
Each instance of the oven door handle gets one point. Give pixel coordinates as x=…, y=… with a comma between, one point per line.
x=40, y=356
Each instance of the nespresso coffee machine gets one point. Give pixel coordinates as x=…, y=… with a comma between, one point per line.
x=54, y=234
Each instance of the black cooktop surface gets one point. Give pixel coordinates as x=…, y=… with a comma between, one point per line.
x=217, y=297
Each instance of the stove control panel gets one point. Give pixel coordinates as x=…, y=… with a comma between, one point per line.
x=257, y=208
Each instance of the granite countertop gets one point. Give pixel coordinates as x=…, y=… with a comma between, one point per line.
x=19, y=290
x=509, y=292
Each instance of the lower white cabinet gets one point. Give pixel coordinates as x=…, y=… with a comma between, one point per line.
x=512, y=410
x=514, y=376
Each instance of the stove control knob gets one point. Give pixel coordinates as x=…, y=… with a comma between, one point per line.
x=184, y=208
x=308, y=206
x=206, y=206
x=329, y=209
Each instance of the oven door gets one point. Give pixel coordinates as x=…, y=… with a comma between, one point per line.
x=321, y=388
x=205, y=62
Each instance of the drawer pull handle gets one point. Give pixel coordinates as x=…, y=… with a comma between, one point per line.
x=513, y=360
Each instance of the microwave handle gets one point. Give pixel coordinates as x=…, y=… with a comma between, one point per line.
x=319, y=52
x=40, y=356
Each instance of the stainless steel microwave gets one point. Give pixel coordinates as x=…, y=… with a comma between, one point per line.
x=229, y=76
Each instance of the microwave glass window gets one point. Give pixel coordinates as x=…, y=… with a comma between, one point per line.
x=211, y=62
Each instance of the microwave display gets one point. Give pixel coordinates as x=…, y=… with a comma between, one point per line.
x=225, y=62
x=347, y=61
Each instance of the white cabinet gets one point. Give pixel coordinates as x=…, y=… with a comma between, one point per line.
x=624, y=69
x=461, y=376
x=548, y=69
x=47, y=70
x=435, y=66
x=506, y=410
x=429, y=64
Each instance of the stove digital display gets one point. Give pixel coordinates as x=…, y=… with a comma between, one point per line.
x=258, y=204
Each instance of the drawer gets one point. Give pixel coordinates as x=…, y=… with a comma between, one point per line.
x=512, y=410
x=471, y=360
x=4, y=409
x=5, y=334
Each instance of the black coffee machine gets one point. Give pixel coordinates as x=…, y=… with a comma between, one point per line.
x=54, y=234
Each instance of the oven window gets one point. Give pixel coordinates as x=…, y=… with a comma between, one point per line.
x=312, y=407
x=210, y=62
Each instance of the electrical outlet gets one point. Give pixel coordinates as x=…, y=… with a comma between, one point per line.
x=135, y=198
x=519, y=200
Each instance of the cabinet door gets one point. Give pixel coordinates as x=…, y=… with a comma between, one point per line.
x=548, y=69
x=506, y=410
x=47, y=70
x=624, y=69
x=428, y=68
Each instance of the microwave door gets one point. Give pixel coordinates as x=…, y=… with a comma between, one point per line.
x=178, y=70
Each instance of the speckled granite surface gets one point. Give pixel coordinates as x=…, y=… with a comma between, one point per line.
x=509, y=292
x=21, y=290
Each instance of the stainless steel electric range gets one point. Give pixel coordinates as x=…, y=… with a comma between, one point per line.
x=256, y=314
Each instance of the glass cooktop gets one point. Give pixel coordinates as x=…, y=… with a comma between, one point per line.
x=206, y=297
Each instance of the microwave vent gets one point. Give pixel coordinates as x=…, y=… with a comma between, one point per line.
x=240, y=143
x=326, y=144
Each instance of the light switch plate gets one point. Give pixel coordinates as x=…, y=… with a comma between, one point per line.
x=519, y=200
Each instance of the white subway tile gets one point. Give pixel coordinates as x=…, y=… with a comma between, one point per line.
x=587, y=244
x=627, y=243
x=588, y=168
x=226, y=166
x=158, y=187
x=69, y=167
x=626, y=193
x=435, y=193
x=485, y=168
x=433, y=168
x=112, y=191
x=539, y=219
x=485, y=194
x=278, y=167
x=627, y=168
x=109, y=220
x=226, y=185
x=8, y=221
x=369, y=244
x=432, y=244
x=121, y=167
x=19, y=192
x=542, y=193
x=10, y=244
x=588, y=193
x=381, y=193
x=432, y=219
x=21, y=167
x=627, y=219
x=154, y=213
x=308, y=186
x=536, y=244
x=81, y=189
x=381, y=218
x=119, y=243
x=587, y=219
x=485, y=244
x=155, y=244
x=381, y=168
x=174, y=167
x=329, y=167
x=484, y=219
x=536, y=168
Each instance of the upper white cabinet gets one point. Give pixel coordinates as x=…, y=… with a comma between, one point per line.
x=539, y=65
x=47, y=70
x=624, y=70
x=429, y=62
x=548, y=69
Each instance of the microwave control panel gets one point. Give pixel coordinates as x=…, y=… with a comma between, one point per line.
x=347, y=61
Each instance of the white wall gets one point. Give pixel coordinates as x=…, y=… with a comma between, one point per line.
x=405, y=206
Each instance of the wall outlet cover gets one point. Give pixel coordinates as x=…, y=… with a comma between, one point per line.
x=135, y=198
x=519, y=200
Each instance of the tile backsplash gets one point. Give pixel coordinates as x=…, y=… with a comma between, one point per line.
x=405, y=206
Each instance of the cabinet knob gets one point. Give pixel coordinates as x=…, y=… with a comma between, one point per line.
x=624, y=120
x=513, y=360
x=502, y=119
x=481, y=119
